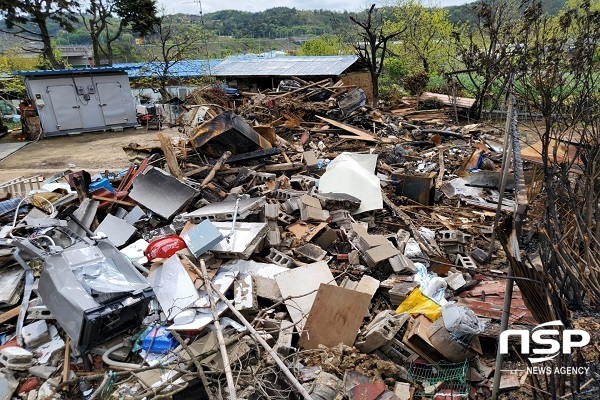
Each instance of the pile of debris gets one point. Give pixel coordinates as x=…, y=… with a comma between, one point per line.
x=303, y=246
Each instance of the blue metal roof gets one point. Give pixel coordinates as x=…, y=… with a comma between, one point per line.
x=182, y=69
x=71, y=71
x=284, y=66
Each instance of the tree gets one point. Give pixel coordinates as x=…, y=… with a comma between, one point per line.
x=324, y=46
x=371, y=43
x=485, y=47
x=175, y=40
x=28, y=19
x=99, y=17
x=425, y=41
x=10, y=61
x=558, y=66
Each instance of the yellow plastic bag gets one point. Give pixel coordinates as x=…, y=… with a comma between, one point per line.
x=418, y=303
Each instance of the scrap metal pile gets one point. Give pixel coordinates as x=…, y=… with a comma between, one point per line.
x=303, y=245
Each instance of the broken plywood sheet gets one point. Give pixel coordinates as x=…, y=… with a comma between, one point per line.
x=302, y=284
x=338, y=308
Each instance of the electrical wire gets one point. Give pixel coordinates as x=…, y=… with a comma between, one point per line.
x=21, y=202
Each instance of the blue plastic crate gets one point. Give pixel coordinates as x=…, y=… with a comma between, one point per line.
x=163, y=341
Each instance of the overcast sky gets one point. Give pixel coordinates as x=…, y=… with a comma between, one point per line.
x=192, y=7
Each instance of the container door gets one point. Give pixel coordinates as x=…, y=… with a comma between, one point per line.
x=65, y=106
x=111, y=102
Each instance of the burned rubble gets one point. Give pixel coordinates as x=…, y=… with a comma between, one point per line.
x=292, y=244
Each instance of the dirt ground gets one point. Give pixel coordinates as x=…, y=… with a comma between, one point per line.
x=93, y=152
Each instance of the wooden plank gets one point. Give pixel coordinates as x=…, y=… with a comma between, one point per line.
x=13, y=312
x=169, y=152
x=335, y=317
x=299, y=286
x=301, y=89
x=362, y=134
x=111, y=200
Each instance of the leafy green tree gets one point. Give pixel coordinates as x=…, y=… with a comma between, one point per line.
x=324, y=45
x=11, y=61
x=425, y=43
x=29, y=19
x=106, y=20
x=175, y=40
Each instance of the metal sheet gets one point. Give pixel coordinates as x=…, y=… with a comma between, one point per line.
x=202, y=237
x=111, y=102
x=228, y=132
x=173, y=287
x=117, y=230
x=284, y=66
x=160, y=192
x=65, y=107
x=9, y=148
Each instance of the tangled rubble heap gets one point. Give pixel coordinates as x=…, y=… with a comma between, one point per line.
x=342, y=250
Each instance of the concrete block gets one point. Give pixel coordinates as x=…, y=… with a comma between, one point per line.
x=402, y=264
x=403, y=390
x=285, y=194
x=325, y=386
x=271, y=211
x=308, y=213
x=16, y=358
x=311, y=252
x=367, y=242
x=386, y=326
x=262, y=177
x=309, y=201
x=244, y=292
x=283, y=345
x=378, y=254
x=47, y=350
x=453, y=248
x=326, y=238
x=311, y=160
x=277, y=257
x=398, y=352
x=8, y=384
x=402, y=238
x=273, y=238
x=285, y=218
x=479, y=255
x=465, y=262
x=36, y=333
x=455, y=280
x=42, y=371
x=338, y=201
x=454, y=236
x=368, y=284
x=290, y=205
x=341, y=218
x=400, y=291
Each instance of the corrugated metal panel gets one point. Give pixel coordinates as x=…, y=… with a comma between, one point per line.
x=284, y=66
x=183, y=69
x=71, y=71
